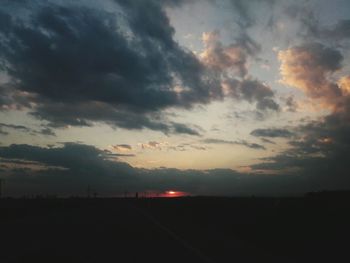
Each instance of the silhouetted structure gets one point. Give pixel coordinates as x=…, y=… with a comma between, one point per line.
x=88, y=191
x=0, y=188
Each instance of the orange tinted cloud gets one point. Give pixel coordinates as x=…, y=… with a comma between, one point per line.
x=309, y=69
x=217, y=56
x=344, y=84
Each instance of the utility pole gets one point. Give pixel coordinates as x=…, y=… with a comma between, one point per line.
x=0, y=188
x=88, y=191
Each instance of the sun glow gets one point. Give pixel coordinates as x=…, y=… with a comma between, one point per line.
x=173, y=193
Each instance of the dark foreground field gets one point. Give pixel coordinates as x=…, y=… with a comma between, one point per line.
x=197, y=229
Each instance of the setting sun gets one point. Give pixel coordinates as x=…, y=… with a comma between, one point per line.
x=172, y=193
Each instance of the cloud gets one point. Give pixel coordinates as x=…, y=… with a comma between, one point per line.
x=70, y=156
x=164, y=145
x=251, y=90
x=126, y=76
x=221, y=58
x=72, y=167
x=47, y=131
x=44, y=131
x=153, y=145
x=335, y=33
x=319, y=153
x=15, y=127
x=185, y=129
x=344, y=84
x=12, y=99
x=122, y=147
x=311, y=68
x=318, y=150
x=272, y=133
x=85, y=114
x=68, y=169
x=267, y=141
x=246, y=11
x=78, y=56
x=308, y=68
x=291, y=104
x=339, y=31
x=198, y=147
x=240, y=142
x=230, y=63
x=304, y=13
x=60, y=63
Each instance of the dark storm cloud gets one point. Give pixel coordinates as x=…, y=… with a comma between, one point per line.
x=127, y=59
x=15, y=127
x=62, y=50
x=255, y=90
x=185, y=129
x=44, y=131
x=240, y=142
x=320, y=154
x=339, y=31
x=252, y=90
x=85, y=114
x=70, y=156
x=68, y=169
x=272, y=132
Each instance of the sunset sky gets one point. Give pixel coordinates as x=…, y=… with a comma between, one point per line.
x=206, y=97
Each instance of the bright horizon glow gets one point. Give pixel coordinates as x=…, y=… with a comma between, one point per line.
x=173, y=193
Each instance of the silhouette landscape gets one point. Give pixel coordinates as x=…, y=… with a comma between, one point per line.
x=313, y=228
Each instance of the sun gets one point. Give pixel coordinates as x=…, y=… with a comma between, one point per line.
x=173, y=193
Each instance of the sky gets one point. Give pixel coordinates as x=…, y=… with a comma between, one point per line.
x=203, y=97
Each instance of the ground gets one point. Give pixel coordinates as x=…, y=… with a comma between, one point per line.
x=188, y=229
